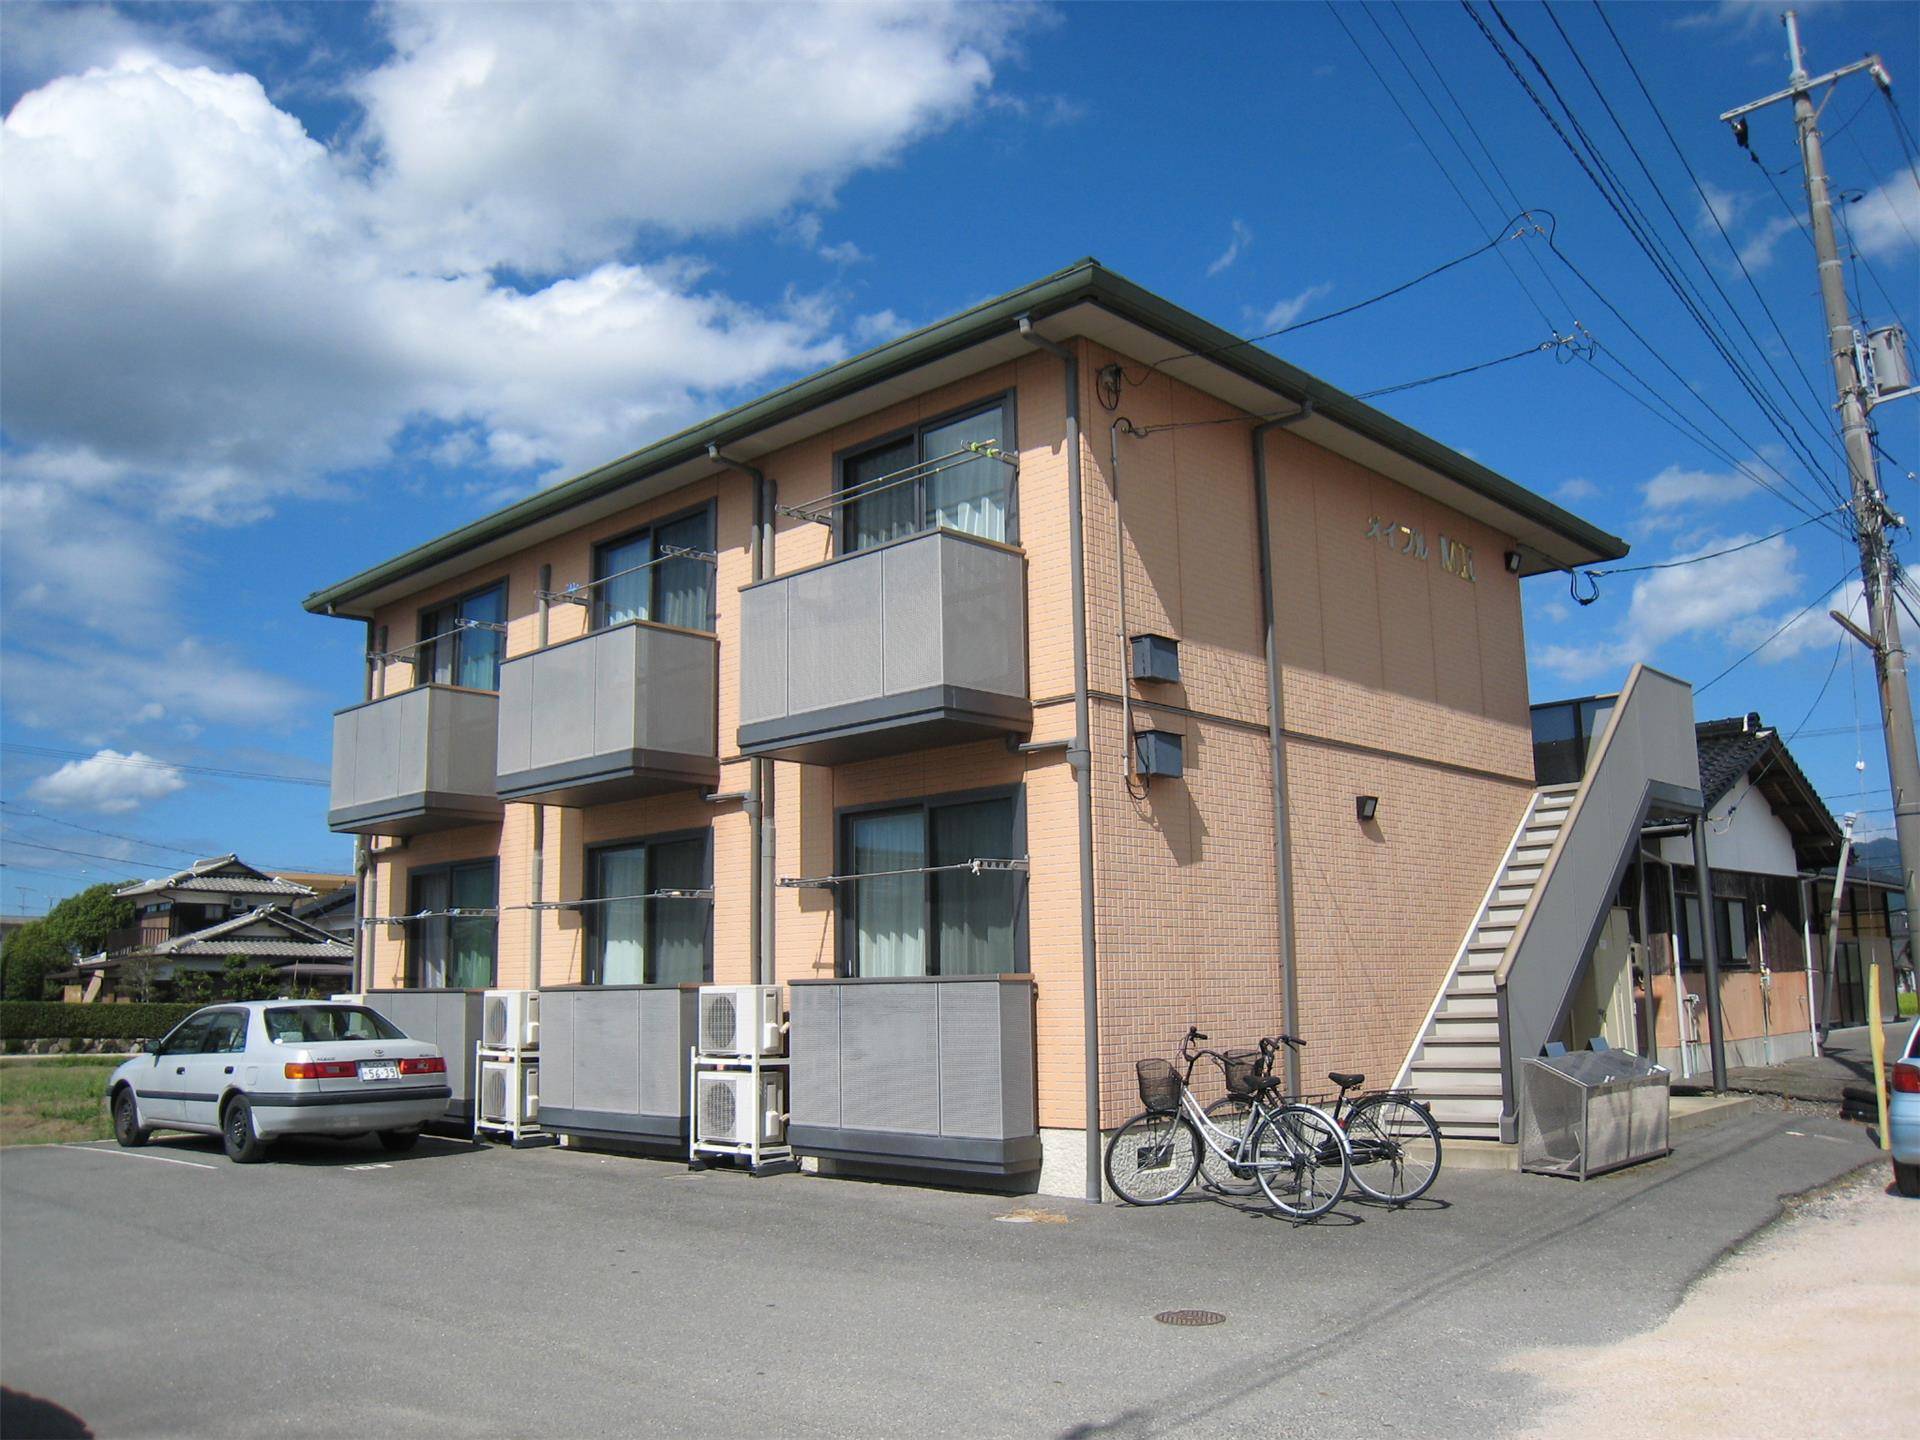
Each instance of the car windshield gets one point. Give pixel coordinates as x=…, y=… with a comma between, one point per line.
x=314, y=1024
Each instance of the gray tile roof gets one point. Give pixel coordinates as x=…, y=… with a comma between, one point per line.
x=223, y=874
x=1733, y=749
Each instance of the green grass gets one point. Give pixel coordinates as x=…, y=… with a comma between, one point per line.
x=59, y=1098
x=1909, y=1003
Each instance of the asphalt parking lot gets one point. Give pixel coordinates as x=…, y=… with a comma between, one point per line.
x=461, y=1291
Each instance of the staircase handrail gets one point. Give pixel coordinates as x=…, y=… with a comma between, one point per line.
x=1625, y=774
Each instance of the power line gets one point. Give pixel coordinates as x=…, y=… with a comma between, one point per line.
x=149, y=763
x=1700, y=559
x=106, y=834
x=88, y=855
x=1619, y=201
x=1712, y=212
x=1699, y=690
x=1544, y=345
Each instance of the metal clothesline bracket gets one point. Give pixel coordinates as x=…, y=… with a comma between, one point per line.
x=576, y=593
x=464, y=914
x=383, y=656
x=586, y=901
x=821, y=511
x=975, y=867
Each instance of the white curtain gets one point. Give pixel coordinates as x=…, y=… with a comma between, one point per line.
x=970, y=495
x=889, y=912
x=627, y=597
x=429, y=937
x=622, y=923
x=888, y=512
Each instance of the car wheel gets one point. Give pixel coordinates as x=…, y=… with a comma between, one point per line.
x=243, y=1144
x=1906, y=1178
x=399, y=1141
x=126, y=1120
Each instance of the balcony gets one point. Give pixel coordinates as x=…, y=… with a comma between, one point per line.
x=918, y=643
x=623, y=712
x=413, y=762
x=930, y=1073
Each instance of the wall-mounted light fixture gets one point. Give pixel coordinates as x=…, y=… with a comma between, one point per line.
x=1513, y=562
x=1366, y=807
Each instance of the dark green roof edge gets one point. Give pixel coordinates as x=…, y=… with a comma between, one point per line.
x=1087, y=280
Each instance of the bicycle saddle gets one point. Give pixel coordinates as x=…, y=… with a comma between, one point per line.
x=1347, y=1082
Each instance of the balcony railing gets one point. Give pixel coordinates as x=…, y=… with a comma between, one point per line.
x=912, y=644
x=625, y=711
x=415, y=761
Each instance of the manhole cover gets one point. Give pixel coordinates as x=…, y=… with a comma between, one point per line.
x=1190, y=1317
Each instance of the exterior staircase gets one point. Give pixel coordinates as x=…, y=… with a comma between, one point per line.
x=1454, y=1065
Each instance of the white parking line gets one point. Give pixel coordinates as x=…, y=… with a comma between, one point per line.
x=136, y=1155
x=1830, y=1139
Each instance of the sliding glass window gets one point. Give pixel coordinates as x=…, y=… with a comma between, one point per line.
x=638, y=936
x=464, y=655
x=645, y=582
x=907, y=916
x=454, y=952
x=942, y=486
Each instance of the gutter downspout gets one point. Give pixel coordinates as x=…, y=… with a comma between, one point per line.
x=1276, y=750
x=1710, y=941
x=1120, y=581
x=362, y=861
x=537, y=881
x=757, y=800
x=1080, y=753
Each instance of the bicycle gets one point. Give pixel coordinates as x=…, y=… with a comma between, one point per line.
x=1295, y=1153
x=1390, y=1134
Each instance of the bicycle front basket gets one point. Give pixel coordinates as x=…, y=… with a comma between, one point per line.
x=1159, y=1085
x=1243, y=1067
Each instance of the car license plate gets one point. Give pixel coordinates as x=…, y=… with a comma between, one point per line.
x=377, y=1070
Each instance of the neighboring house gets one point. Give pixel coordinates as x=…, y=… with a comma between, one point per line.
x=199, y=918
x=1873, y=930
x=332, y=912
x=749, y=703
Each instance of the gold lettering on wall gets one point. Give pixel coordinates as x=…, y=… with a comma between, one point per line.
x=1455, y=558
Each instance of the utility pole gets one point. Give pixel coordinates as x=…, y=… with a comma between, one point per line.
x=1870, y=511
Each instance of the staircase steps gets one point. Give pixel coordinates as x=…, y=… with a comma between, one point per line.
x=1455, y=1067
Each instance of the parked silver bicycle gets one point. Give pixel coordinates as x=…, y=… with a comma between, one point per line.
x=1294, y=1153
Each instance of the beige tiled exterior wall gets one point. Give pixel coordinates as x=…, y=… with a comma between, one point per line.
x=1401, y=680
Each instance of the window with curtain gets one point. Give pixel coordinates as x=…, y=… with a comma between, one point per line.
x=461, y=656
x=454, y=952
x=948, y=923
x=676, y=590
x=634, y=941
x=972, y=495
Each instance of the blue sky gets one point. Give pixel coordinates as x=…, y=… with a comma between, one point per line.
x=288, y=289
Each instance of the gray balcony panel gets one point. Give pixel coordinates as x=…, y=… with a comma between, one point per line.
x=415, y=761
x=918, y=643
x=614, y=1061
x=931, y=1073
x=449, y=1019
x=623, y=712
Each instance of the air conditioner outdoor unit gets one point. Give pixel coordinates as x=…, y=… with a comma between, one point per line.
x=741, y=1020
x=729, y=1109
x=509, y=1092
x=510, y=1020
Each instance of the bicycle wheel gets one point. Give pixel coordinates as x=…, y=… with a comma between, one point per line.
x=1395, y=1147
x=1231, y=1113
x=1153, y=1158
x=1300, y=1160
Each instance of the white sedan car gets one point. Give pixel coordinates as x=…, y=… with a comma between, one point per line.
x=253, y=1072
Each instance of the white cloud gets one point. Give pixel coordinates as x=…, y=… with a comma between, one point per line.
x=1757, y=250
x=1742, y=15
x=1284, y=312
x=537, y=136
x=1726, y=206
x=108, y=783
x=1813, y=630
x=879, y=325
x=1677, y=486
x=1242, y=237
x=1886, y=220
x=1723, y=596
x=1576, y=490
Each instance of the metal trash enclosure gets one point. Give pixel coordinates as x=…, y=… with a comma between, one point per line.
x=1591, y=1111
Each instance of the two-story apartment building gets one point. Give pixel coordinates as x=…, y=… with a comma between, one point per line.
x=1219, y=670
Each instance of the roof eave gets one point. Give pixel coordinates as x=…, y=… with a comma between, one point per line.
x=1085, y=281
